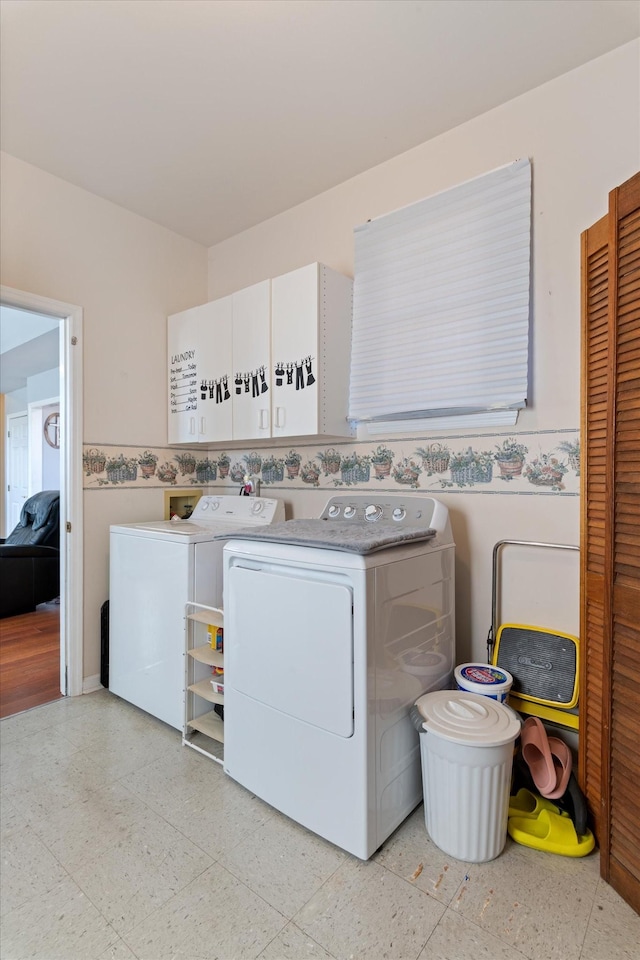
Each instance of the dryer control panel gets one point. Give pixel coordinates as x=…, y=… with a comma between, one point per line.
x=413, y=510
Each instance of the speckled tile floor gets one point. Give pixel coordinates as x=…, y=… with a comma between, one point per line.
x=119, y=843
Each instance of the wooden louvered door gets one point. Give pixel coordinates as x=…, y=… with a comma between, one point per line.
x=595, y=380
x=610, y=695
x=620, y=841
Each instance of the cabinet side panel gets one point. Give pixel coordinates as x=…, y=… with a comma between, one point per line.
x=334, y=347
x=149, y=586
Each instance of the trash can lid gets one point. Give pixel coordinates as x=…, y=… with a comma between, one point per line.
x=468, y=718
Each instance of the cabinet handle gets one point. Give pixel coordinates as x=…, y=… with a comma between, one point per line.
x=202, y=424
x=264, y=419
x=279, y=419
x=192, y=426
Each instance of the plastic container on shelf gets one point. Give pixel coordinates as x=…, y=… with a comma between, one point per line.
x=216, y=637
x=466, y=746
x=484, y=679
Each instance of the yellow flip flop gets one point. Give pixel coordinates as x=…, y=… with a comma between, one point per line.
x=525, y=803
x=552, y=833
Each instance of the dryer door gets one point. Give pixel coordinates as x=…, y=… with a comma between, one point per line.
x=289, y=644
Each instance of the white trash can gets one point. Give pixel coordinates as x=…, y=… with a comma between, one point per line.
x=466, y=745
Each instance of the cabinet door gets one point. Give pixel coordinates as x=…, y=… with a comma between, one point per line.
x=199, y=369
x=215, y=370
x=294, y=352
x=182, y=372
x=251, y=387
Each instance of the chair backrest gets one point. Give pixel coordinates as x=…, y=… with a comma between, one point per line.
x=39, y=521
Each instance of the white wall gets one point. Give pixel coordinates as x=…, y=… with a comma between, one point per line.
x=127, y=274
x=43, y=386
x=582, y=133
x=16, y=402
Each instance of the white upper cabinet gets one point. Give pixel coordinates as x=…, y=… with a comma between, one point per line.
x=269, y=361
x=200, y=372
x=252, y=362
x=310, y=348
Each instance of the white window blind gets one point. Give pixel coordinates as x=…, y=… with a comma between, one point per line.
x=441, y=307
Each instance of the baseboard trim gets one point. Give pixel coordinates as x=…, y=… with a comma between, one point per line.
x=91, y=684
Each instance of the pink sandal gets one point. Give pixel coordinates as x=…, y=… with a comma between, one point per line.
x=549, y=759
x=563, y=762
x=537, y=754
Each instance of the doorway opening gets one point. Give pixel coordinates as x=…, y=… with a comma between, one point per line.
x=53, y=421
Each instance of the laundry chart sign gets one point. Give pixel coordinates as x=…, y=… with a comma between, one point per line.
x=183, y=382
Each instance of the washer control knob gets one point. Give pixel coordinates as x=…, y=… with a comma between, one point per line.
x=372, y=512
x=205, y=504
x=257, y=506
x=399, y=513
x=334, y=511
x=349, y=512
x=214, y=503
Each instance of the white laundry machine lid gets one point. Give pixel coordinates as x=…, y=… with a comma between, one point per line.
x=214, y=517
x=468, y=718
x=354, y=537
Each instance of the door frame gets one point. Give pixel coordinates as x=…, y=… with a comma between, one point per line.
x=71, y=492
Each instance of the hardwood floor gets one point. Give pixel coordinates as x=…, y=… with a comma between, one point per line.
x=29, y=659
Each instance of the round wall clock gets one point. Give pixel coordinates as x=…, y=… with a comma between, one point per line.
x=51, y=430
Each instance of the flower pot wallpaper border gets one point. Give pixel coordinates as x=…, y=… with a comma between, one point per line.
x=546, y=462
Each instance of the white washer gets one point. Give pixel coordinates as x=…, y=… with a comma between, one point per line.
x=326, y=650
x=155, y=569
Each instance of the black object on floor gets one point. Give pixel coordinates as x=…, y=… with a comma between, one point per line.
x=574, y=803
x=104, y=644
x=522, y=775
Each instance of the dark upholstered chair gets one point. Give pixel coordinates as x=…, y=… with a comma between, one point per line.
x=30, y=556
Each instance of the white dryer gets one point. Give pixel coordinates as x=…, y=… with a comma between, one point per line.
x=333, y=629
x=155, y=568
